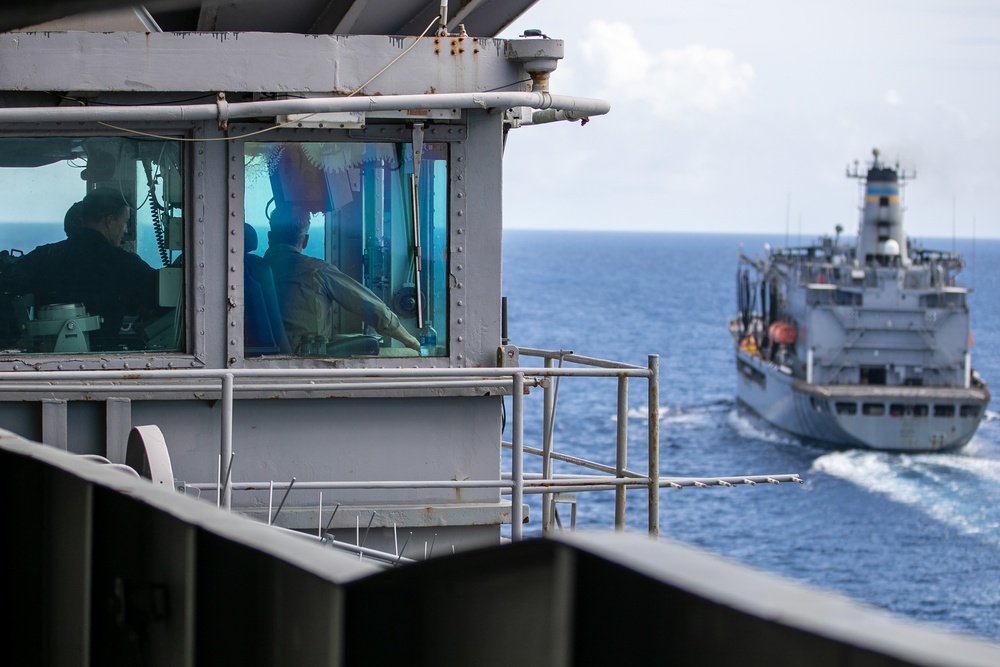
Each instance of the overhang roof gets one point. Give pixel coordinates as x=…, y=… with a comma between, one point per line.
x=481, y=18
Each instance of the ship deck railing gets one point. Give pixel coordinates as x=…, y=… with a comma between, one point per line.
x=516, y=379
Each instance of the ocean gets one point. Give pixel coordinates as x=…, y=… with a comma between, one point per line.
x=917, y=535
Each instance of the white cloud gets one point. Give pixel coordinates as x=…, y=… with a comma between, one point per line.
x=892, y=98
x=677, y=83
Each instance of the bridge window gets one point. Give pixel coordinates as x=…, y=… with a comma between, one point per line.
x=92, y=231
x=355, y=242
x=873, y=409
x=968, y=411
x=847, y=408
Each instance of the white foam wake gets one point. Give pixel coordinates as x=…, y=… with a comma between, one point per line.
x=752, y=428
x=960, y=490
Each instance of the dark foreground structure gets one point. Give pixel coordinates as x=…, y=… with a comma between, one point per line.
x=106, y=568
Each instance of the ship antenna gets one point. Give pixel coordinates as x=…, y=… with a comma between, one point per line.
x=953, y=205
x=788, y=209
x=443, y=26
x=973, y=285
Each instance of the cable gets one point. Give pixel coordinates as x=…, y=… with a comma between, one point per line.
x=506, y=85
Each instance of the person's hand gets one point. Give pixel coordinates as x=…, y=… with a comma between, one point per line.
x=409, y=341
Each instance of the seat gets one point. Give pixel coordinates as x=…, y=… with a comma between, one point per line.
x=263, y=331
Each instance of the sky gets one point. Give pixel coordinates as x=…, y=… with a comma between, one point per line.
x=736, y=116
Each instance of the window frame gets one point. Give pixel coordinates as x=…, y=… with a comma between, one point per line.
x=194, y=162
x=455, y=135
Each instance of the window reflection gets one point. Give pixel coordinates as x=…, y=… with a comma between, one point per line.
x=357, y=269
x=95, y=232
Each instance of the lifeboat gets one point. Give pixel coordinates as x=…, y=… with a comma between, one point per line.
x=782, y=333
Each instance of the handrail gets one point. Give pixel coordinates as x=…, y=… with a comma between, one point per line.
x=230, y=383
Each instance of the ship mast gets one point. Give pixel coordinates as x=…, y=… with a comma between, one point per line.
x=881, y=236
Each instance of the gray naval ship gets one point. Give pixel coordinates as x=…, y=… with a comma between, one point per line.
x=863, y=345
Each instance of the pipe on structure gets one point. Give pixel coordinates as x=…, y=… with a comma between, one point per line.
x=574, y=107
x=517, y=458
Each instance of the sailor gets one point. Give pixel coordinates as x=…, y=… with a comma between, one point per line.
x=89, y=268
x=749, y=345
x=72, y=222
x=308, y=287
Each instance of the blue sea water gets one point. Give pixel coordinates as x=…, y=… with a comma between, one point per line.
x=918, y=535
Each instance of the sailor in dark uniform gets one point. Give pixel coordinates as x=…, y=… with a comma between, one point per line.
x=89, y=268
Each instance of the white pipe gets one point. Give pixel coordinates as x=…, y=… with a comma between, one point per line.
x=226, y=442
x=332, y=373
x=575, y=107
x=517, y=458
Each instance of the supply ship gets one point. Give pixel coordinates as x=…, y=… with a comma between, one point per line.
x=860, y=345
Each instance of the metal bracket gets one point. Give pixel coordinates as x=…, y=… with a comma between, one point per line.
x=223, y=105
x=508, y=356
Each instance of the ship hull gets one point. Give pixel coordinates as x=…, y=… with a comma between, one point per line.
x=901, y=419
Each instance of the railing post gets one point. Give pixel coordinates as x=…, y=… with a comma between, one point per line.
x=549, y=400
x=621, y=454
x=226, y=447
x=654, y=444
x=517, y=458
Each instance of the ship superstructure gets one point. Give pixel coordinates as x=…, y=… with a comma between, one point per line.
x=254, y=254
x=863, y=345
x=380, y=127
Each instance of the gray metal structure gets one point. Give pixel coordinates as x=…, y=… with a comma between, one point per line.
x=390, y=443
x=866, y=345
x=186, y=584
x=317, y=17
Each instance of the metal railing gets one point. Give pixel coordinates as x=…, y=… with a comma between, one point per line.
x=618, y=478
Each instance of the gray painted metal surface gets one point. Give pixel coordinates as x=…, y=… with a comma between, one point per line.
x=254, y=63
x=188, y=584
x=860, y=346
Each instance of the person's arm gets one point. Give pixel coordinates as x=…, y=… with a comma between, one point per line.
x=361, y=301
x=143, y=280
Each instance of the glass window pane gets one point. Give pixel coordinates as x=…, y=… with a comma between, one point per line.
x=95, y=227
x=357, y=269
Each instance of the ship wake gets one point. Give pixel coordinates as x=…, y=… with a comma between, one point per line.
x=960, y=490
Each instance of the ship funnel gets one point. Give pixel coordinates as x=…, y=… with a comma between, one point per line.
x=881, y=238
